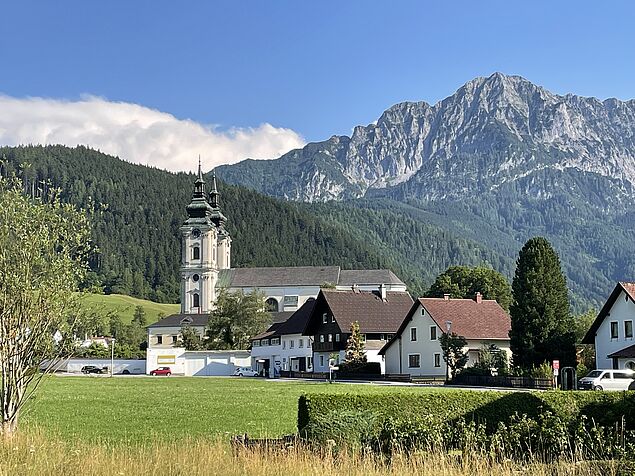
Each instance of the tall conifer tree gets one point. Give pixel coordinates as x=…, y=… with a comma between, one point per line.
x=542, y=328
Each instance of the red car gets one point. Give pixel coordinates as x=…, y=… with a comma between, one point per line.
x=162, y=371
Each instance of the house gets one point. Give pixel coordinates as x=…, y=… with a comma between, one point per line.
x=378, y=313
x=415, y=348
x=206, y=269
x=283, y=347
x=612, y=330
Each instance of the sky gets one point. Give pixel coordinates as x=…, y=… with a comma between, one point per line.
x=159, y=82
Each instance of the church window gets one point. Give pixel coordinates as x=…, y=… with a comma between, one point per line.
x=195, y=300
x=195, y=278
x=272, y=305
x=196, y=252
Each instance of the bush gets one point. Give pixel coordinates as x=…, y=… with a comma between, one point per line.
x=550, y=421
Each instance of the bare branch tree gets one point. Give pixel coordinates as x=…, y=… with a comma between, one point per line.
x=43, y=251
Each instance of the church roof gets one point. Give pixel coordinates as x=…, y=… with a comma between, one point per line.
x=279, y=276
x=348, y=277
x=303, y=276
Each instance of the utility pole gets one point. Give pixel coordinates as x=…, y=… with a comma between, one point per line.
x=112, y=357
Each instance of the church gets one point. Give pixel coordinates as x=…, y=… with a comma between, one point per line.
x=206, y=268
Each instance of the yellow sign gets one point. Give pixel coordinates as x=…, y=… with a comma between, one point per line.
x=166, y=359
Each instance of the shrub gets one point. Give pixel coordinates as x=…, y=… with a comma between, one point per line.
x=367, y=368
x=514, y=424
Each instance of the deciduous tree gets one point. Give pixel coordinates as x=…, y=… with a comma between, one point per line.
x=43, y=258
x=236, y=318
x=464, y=282
x=452, y=346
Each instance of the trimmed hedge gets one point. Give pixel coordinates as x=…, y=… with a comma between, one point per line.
x=356, y=419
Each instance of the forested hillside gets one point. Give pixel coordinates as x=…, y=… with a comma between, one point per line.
x=138, y=211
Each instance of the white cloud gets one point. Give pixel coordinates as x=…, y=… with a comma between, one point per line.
x=136, y=133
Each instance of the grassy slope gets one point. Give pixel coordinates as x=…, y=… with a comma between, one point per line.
x=132, y=409
x=125, y=306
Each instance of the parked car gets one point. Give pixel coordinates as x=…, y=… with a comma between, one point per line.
x=607, y=380
x=93, y=369
x=245, y=372
x=162, y=371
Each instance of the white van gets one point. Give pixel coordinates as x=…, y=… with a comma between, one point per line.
x=607, y=380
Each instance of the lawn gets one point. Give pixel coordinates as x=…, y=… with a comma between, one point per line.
x=134, y=409
x=125, y=306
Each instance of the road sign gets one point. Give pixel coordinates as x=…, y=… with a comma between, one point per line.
x=556, y=365
x=555, y=372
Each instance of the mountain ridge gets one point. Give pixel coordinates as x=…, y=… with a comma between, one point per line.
x=504, y=126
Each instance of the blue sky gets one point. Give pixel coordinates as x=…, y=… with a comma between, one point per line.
x=317, y=68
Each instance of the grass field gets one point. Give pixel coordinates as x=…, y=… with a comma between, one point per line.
x=125, y=306
x=134, y=409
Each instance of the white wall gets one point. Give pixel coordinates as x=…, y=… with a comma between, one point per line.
x=279, y=292
x=397, y=355
x=215, y=362
x=75, y=365
x=172, y=357
x=622, y=310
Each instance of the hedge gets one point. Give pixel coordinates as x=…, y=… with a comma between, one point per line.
x=355, y=419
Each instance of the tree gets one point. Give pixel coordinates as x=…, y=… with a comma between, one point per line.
x=355, y=353
x=236, y=318
x=189, y=338
x=542, y=328
x=464, y=282
x=139, y=316
x=43, y=259
x=452, y=346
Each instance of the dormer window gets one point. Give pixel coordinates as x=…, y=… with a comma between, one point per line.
x=186, y=321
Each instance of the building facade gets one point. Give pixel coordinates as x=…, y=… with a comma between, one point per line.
x=612, y=330
x=415, y=348
x=378, y=313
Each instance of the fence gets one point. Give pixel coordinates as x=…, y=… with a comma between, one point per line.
x=503, y=381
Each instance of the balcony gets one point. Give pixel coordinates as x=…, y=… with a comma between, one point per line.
x=327, y=346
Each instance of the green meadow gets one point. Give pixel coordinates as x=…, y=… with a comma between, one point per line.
x=137, y=409
x=125, y=306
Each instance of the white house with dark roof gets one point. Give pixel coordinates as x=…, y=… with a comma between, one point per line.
x=206, y=268
x=282, y=347
x=378, y=313
x=415, y=347
x=612, y=330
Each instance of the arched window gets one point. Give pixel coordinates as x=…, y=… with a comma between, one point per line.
x=195, y=300
x=272, y=305
x=196, y=253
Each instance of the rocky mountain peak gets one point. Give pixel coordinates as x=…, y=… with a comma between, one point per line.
x=493, y=132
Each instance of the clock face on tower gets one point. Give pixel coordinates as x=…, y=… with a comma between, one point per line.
x=196, y=232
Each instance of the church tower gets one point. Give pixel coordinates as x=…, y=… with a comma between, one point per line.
x=224, y=240
x=199, y=266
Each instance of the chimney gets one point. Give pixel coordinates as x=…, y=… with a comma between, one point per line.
x=478, y=298
x=446, y=297
x=382, y=291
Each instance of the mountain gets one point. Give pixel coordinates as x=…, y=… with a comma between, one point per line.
x=137, y=211
x=492, y=132
x=496, y=163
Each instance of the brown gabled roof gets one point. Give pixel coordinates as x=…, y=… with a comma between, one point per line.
x=628, y=288
x=367, y=308
x=470, y=319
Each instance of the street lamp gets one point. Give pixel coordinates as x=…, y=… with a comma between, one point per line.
x=112, y=357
